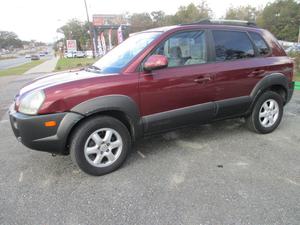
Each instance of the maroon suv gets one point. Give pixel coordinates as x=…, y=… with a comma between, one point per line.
x=155, y=81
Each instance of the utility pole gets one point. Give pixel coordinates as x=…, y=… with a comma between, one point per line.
x=299, y=36
x=90, y=28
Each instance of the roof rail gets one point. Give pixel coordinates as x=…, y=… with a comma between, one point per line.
x=224, y=22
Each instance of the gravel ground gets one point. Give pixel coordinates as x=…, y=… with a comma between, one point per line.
x=211, y=174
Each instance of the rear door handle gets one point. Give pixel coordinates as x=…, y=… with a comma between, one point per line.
x=201, y=80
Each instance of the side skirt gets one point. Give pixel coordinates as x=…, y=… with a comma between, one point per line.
x=199, y=114
x=169, y=120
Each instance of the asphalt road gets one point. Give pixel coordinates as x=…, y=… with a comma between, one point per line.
x=8, y=63
x=211, y=174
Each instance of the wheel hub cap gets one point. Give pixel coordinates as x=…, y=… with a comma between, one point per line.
x=269, y=113
x=103, y=147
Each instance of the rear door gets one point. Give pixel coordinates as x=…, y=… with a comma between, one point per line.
x=181, y=93
x=237, y=70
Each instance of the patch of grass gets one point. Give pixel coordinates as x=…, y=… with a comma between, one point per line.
x=18, y=70
x=71, y=63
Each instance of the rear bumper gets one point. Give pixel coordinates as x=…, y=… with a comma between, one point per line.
x=32, y=132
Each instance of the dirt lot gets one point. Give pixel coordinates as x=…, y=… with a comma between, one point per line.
x=212, y=174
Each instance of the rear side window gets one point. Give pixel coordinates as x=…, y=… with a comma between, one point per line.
x=232, y=45
x=260, y=43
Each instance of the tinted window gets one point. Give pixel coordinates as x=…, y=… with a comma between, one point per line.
x=260, y=43
x=232, y=45
x=186, y=48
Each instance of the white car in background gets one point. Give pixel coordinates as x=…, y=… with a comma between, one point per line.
x=27, y=56
x=71, y=54
x=293, y=49
x=75, y=54
x=79, y=54
x=89, y=54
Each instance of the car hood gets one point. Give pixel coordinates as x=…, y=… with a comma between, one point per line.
x=59, y=78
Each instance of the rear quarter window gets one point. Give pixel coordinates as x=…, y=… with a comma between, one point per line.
x=260, y=43
x=232, y=45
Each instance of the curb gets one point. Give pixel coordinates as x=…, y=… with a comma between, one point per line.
x=297, y=85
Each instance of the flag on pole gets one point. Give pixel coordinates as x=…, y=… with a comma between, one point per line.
x=120, y=35
x=100, y=49
x=109, y=39
x=103, y=42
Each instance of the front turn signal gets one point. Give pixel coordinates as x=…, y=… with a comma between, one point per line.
x=50, y=124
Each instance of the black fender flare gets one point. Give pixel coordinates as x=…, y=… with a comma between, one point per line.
x=120, y=103
x=267, y=82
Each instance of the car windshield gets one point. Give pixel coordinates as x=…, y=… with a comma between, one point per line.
x=121, y=55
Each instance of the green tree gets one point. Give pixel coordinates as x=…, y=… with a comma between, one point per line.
x=158, y=18
x=192, y=13
x=140, y=21
x=248, y=13
x=282, y=18
x=185, y=14
x=76, y=30
x=9, y=40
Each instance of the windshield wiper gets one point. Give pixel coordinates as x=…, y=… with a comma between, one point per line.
x=93, y=68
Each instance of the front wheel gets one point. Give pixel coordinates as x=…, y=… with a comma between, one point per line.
x=267, y=113
x=100, y=145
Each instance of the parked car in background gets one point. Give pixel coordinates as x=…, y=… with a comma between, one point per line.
x=27, y=56
x=41, y=54
x=80, y=54
x=89, y=54
x=35, y=57
x=293, y=49
x=71, y=54
x=156, y=81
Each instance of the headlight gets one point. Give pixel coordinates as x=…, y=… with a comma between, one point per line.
x=31, y=102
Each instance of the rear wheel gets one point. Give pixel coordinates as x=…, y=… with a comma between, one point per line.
x=267, y=113
x=100, y=145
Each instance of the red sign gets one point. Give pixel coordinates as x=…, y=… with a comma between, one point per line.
x=107, y=19
x=71, y=45
x=98, y=21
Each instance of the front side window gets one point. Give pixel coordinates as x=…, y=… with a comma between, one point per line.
x=120, y=56
x=232, y=45
x=260, y=43
x=185, y=48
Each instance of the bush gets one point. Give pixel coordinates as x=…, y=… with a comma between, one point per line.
x=296, y=57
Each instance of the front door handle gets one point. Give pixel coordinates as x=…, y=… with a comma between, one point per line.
x=201, y=80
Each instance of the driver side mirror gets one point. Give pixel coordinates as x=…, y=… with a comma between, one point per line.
x=155, y=62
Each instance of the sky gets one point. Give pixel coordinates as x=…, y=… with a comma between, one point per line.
x=39, y=19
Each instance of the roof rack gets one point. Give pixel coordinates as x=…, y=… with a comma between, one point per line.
x=224, y=22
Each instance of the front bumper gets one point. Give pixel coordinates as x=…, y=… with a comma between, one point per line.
x=32, y=132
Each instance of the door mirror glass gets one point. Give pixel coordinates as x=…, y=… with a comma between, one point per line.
x=155, y=62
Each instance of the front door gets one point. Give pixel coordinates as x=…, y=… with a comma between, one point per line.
x=183, y=92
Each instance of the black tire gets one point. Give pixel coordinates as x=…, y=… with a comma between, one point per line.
x=83, y=132
x=253, y=121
